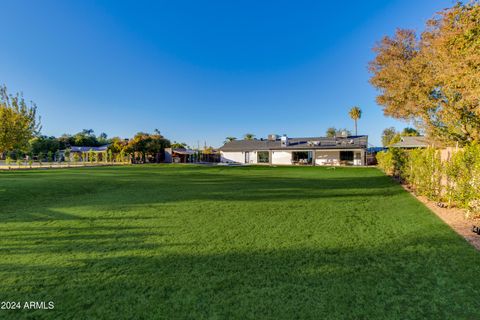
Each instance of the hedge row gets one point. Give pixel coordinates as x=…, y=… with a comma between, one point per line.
x=455, y=181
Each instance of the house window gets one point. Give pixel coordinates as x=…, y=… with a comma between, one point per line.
x=346, y=156
x=302, y=157
x=263, y=157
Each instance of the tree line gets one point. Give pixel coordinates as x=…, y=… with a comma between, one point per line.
x=20, y=136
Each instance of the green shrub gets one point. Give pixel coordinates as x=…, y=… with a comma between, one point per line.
x=456, y=180
x=392, y=161
x=463, y=177
x=423, y=171
x=385, y=162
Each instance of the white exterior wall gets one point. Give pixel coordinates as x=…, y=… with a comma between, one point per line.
x=327, y=157
x=237, y=157
x=281, y=157
x=322, y=157
x=253, y=157
x=361, y=161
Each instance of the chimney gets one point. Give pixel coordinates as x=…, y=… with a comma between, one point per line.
x=272, y=137
x=284, y=141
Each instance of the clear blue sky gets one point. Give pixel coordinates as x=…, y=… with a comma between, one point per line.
x=201, y=70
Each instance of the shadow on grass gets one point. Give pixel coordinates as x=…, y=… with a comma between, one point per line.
x=97, y=263
x=425, y=277
x=37, y=197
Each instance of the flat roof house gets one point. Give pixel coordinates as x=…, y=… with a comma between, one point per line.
x=348, y=150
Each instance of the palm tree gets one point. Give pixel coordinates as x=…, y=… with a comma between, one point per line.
x=355, y=113
x=249, y=136
x=230, y=139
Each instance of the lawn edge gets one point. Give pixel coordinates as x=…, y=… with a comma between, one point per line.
x=453, y=217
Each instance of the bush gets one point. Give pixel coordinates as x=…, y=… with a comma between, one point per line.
x=463, y=177
x=423, y=171
x=392, y=161
x=456, y=180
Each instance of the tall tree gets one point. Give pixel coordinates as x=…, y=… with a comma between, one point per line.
x=18, y=121
x=102, y=139
x=147, y=145
x=179, y=145
x=249, y=136
x=389, y=136
x=433, y=79
x=331, y=132
x=355, y=113
x=229, y=139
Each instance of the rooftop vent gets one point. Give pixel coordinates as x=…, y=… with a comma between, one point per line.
x=272, y=137
x=284, y=141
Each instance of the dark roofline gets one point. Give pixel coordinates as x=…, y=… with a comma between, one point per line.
x=324, y=143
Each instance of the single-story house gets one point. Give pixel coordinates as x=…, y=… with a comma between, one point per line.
x=183, y=155
x=83, y=152
x=411, y=143
x=179, y=155
x=346, y=150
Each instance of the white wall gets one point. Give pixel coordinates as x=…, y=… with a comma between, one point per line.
x=281, y=157
x=237, y=157
x=322, y=157
x=327, y=157
x=332, y=157
x=253, y=157
x=359, y=161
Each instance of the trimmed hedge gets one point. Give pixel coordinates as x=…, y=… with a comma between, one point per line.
x=455, y=181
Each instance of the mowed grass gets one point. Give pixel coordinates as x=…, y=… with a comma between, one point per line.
x=190, y=242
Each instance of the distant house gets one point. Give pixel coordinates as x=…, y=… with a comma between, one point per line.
x=75, y=149
x=179, y=155
x=411, y=143
x=83, y=152
x=183, y=155
x=347, y=150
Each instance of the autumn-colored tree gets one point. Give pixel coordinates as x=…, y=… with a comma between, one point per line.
x=18, y=121
x=434, y=79
x=145, y=144
x=208, y=150
x=117, y=144
x=355, y=113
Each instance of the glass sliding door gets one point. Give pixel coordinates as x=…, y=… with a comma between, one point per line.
x=263, y=157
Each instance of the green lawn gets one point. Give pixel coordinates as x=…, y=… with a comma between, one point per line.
x=228, y=242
